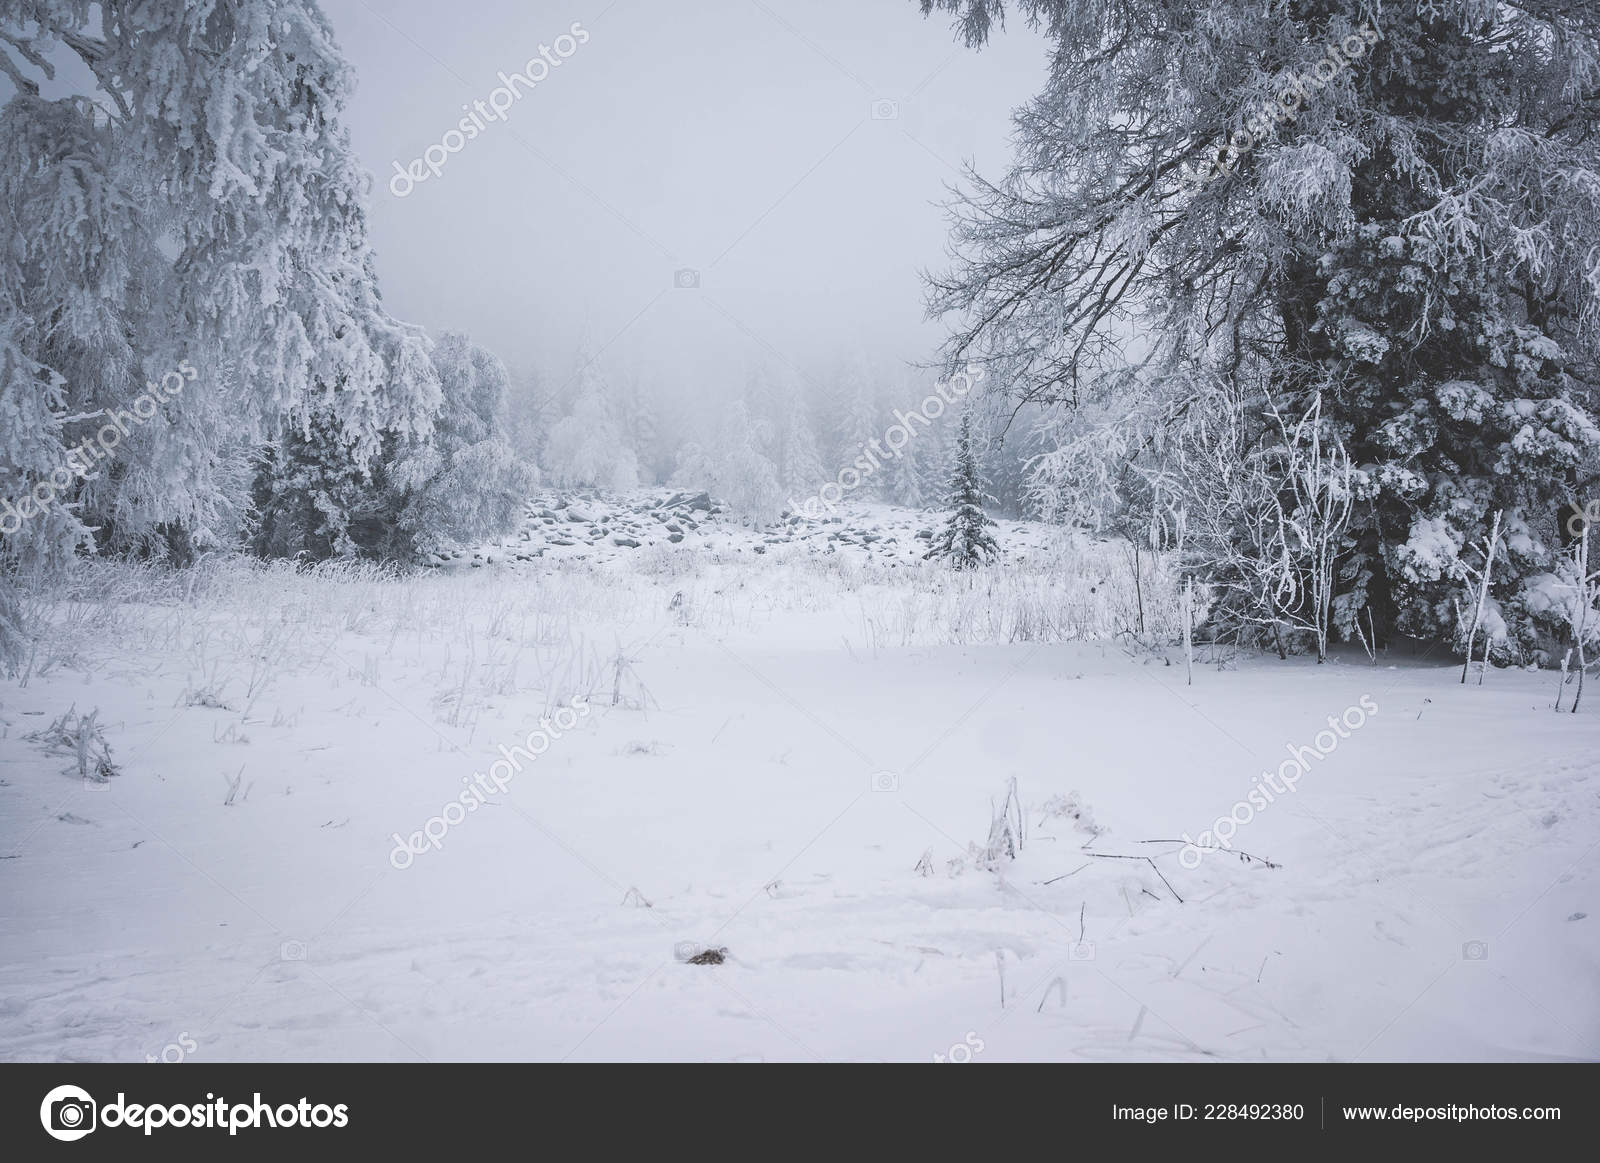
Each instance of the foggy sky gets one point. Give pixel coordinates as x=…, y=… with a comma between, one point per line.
x=736, y=138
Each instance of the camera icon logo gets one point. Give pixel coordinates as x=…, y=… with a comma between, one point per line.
x=292, y=951
x=885, y=781
x=1475, y=951
x=1081, y=951
x=686, y=279
x=885, y=110
x=68, y=1113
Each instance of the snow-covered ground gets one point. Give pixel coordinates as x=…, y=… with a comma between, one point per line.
x=779, y=728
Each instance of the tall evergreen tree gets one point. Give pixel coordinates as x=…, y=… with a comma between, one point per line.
x=905, y=485
x=741, y=471
x=798, y=463
x=590, y=448
x=965, y=542
x=1391, y=208
x=464, y=482
x=198, y=201
x=860, y=421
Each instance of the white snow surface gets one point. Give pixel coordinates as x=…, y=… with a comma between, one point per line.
x=774, y=740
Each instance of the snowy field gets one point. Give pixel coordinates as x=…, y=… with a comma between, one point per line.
x=794, y=747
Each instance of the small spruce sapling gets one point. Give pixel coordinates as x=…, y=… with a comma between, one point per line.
x=965, y=542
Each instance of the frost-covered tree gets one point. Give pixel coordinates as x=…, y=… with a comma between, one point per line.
x=693, y=468
x=467, y=482
x=935, y=457
x=741, y=473
x=314, y=499
x=965, y=541
x=589, y=447
x=905, y=476
x=464, y=482
x=530, y=413
x=196, y=202
x=646, y=436
x=859, y=422
x=1392, y=207
x=795, y=457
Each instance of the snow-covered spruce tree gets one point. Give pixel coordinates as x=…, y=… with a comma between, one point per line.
x=795, y=455
x=196, y=202
x=1394, y=207
x=935, y=459
x=589, y=448
x=464, y=482
x=312, y=498
x=905, y=485
x=741, y=473
x=859, y=422
x=965, y=541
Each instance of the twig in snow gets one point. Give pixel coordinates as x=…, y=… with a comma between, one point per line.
x=233, y=789
x=1217, y=848
x=1164, y=880
x=1064, y=875
x=1058, y=983
x=1147, y=860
